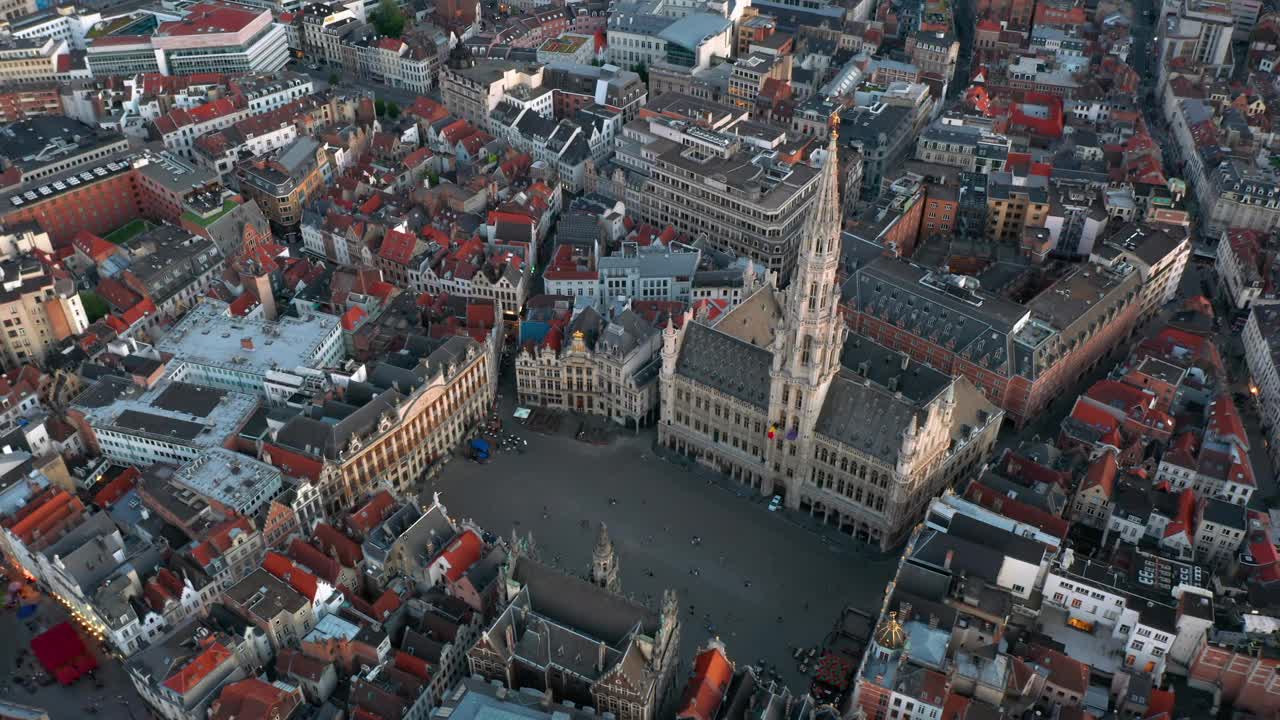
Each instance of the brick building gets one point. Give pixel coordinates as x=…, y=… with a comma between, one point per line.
x=1021, y=356
x=1245, y=679
x=19, y=102
x=103, y=197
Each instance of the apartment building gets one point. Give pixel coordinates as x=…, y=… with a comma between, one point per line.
x=1159, y=252
x=20, y=102
x=715, y=186
x=285, y=181
x=1244, y=269
x=37, y=310
x=882, y=135
x=273, y=607
x=1015, y=203
x=1200, y=32
x=39, y=60
x=964, y=143
x=576, y=85
x=750, y=74
x=1138, y=612
x=473, y=92
x=934, y=52
x=14, y=9
x=1261, y=338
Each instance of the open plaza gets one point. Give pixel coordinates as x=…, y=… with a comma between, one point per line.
x=767, y=581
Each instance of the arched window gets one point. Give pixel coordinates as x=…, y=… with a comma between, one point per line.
x=806, y=350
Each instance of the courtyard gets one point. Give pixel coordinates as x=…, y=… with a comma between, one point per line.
x=771, y=581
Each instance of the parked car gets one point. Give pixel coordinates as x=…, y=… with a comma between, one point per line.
x=775, y=504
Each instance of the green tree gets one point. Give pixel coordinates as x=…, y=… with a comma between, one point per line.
x=642, y=70
x=379, y=107
x=388, y=19
x=94, y=306
x=393, y=110
x=333, y=78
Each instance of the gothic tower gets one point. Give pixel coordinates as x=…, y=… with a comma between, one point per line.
x=806, y=351
x=604, y=562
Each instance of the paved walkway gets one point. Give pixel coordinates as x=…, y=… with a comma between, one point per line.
x=750, y=567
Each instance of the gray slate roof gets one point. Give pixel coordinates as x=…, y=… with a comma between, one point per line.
x=725, y=363
x=865, y=417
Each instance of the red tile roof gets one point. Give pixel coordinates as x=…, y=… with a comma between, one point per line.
x=415, y=666
x=461, y=554
x=372, y=513
x=242, y=305
x=398, y=247
x=712, y=672
x=337, y=545
x=352, y=317
x=1064, y=672
x=116, y=489
x=43, y=512
x=387, y=603
x=95, y=247
x=254, y=699
x=324, y=567
x=206, y=18
x=1094, y=416
x=1017, y=510
x=1102, y=473
x=1224, y=420
x=117, y=293
x=1159, y=705
x=198, y=669
x=291, y=463
x=290, y=572
x=219, y=540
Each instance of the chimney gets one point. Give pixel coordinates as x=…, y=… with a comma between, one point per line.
x=946, y=563
x=511, y=636
x=602, y=648
x=904, y=612
x=933, y=622
x=905, y=361
x=246, y=343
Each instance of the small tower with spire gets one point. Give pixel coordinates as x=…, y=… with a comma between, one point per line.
x=604, y=562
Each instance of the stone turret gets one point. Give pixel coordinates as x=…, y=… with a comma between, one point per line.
x=604, y=562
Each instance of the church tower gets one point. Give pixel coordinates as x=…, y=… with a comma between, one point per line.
x=806, y=350
x=604, y=562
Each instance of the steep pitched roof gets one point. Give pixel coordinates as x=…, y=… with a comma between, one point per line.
x=198, y=669
x=712, y=673
x=462, y=553
x=1102, y=473
x=290, y=572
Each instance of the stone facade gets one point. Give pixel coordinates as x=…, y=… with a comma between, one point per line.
x=776, y=394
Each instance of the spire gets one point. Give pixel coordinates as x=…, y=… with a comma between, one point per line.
x=822, y=227
x=604, y=546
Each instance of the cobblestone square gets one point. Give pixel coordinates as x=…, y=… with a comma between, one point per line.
x=751, y=565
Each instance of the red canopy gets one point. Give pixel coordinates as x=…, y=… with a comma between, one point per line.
x=62, y=653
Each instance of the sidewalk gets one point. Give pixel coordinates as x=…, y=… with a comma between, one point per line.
x=836, y=541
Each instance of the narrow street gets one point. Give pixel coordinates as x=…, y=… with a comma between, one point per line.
x=348, y=81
